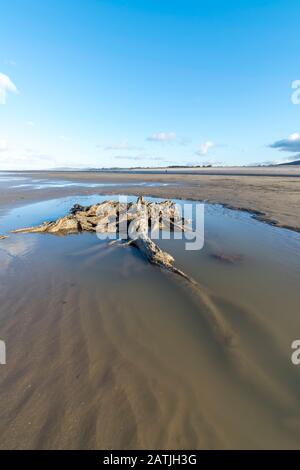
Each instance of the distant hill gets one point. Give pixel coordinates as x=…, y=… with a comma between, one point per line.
x=296, y=162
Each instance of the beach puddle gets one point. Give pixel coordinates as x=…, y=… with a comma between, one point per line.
x=27, y=182
x=107, y=351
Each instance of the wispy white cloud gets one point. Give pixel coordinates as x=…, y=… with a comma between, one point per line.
x=162, y=137
x=18, y=159
x=205, y=147
x=291, y=144
x=140, y=156
x=292, y=158
x=123, y=145
x=127, y=157
x=6, y=85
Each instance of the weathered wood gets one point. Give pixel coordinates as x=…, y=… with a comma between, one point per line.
x=138, y=217
x=141, y=216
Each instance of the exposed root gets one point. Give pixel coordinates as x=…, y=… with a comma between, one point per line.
x=134, y=221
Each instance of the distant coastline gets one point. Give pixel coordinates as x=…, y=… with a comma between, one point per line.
x=266, y=192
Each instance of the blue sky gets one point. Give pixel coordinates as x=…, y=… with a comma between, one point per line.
x=148, y=82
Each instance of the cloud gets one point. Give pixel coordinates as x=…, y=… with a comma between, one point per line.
x=291, y=144
x=127, y=157
x=204, y=148
x=26, y=161
x=124, y=145
x=141, y=156
x=162, y=137
x=293, y=158
x=6, y=85
x=3, y=145
x=290, y=158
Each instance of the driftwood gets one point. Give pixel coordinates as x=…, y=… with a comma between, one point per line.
x=136, y=219
x=141, y=218
x=2, y=237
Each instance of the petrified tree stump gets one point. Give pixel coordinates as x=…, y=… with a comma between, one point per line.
x=112, y=216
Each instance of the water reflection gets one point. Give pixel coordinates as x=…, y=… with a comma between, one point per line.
x=10, y=180
x=16, y=248
x=106, y=351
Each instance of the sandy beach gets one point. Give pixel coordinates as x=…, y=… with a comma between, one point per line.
x=105, y=351
x=149, y=232
x=271, y=193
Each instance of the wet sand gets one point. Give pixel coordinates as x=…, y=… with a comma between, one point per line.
x=271, y=194
x=107, y=351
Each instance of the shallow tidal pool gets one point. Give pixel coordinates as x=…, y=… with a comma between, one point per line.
x=107, y=351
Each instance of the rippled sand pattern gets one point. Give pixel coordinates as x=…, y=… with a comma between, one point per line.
x=106, y=351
